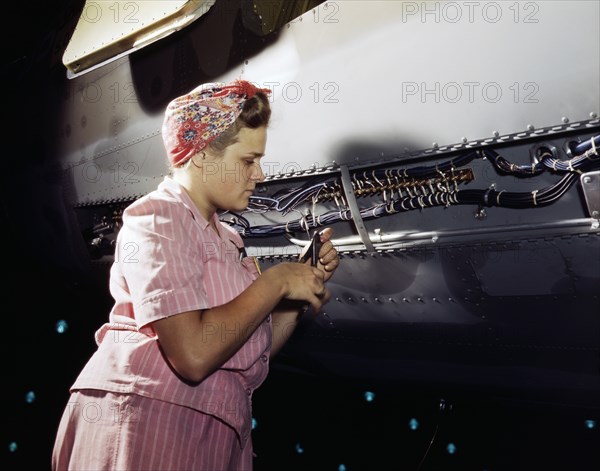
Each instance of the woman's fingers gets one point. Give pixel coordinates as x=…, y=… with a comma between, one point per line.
x=328, y=257
x=328, y=254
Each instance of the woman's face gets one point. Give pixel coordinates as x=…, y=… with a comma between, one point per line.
x=227, y=181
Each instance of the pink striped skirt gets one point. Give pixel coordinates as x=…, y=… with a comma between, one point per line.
x=101, y=430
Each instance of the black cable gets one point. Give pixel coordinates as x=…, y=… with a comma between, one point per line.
x=286, y=201
x=487, y=197
x=437, y=426
x=513, y=169
x=582, y=158
x=424, y=171
x=442, y=409
x=587, y=145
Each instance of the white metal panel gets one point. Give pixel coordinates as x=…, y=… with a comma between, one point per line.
x=355, y=81
x=391, y=74
x=108, y=29
x=112, y=149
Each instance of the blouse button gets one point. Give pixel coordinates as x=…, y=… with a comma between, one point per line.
x=264, y=358
x=249, y=392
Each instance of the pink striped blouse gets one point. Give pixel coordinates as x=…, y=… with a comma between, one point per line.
x=169, y=261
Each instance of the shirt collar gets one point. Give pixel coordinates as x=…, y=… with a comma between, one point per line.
x=172, y=187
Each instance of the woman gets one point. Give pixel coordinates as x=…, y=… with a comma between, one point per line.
x=194, y=323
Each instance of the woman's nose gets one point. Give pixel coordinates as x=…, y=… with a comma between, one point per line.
x=258, y=173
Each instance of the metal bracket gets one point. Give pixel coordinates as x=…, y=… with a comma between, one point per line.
x=356, y=217
x=590, y=183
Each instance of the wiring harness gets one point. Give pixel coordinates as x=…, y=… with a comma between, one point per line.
x=414, y=188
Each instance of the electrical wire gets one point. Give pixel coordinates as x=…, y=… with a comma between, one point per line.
x=416, y=188
x=437, y=426
x=489, y=197
x=584, y=146
x=584, y=155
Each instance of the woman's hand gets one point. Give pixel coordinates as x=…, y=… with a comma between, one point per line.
x=300, y=282
x=328, y=256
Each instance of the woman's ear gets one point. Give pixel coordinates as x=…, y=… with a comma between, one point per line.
x=194, y=163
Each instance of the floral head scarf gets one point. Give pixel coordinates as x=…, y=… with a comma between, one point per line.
x=192, y=121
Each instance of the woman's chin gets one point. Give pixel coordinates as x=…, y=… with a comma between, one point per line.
x=239, y=207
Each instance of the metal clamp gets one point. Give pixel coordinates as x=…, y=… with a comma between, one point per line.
x=590, y=184
x=356, y=217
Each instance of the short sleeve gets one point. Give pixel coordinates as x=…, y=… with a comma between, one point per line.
x=158, y=261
